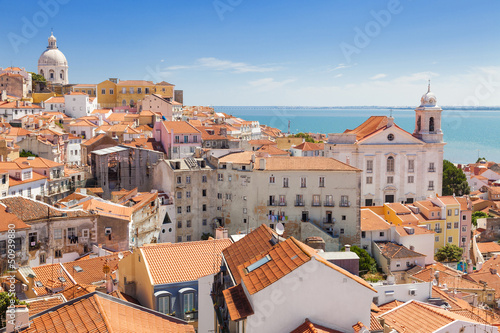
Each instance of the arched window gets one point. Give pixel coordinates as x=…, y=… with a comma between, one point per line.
x=163, y=299
x=61, y=75
x=132, y=103
x=41, y=72
x=390, y=164
x=51, y=74
x=419, y=123
x=124, y=103
x=431, y=124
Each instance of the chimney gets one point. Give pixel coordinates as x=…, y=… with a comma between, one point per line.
x=17, y=318
x=221, y=233
x=17, y=103
x=347, y=248
x=262, y=164
x=390, y=121
x=4, y=95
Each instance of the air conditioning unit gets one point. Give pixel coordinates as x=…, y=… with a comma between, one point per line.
x=107, y=231
x=412, y=292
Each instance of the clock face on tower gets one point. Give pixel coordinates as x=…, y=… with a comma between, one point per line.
x=390, y=137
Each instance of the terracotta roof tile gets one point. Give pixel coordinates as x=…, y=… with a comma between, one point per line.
x=451, y=281
x=415, y=316
x=52, y=277
x=170, y=263
x=92, y=269
x=30, y=210
x=237, y=303
x=272, y=150
x=309, y=327
x=7, y=218
x=375, y=324
x=488, y=247
x=309, y=146
x=253, y=244
x=369, y=126
x=97, y=312
x=39, y=304
x=76, y=291
x=394, y=251
x=180, y=127
x=281, y=260
x=372, y=221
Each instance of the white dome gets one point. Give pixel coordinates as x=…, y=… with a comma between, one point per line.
x=428, y=99
x=52, y=57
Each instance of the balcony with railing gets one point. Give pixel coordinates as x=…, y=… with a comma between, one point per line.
x=329, y=204
x=345, y=204
x=299, y=203
x=271, y=202
x=431, y=188
x=432, y=169
x=438, y=230
x=316, y=203
x=282, y=203
x=191, y=315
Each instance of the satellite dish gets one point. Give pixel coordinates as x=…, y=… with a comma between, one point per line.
x=120, y=255
x=280, y=228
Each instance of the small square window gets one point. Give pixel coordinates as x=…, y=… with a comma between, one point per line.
x=204, y=222
x=179, y=239
x=179, y=224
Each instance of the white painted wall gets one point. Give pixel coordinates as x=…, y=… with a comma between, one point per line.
x=421, y=243
x=205, y=306
x=468, y=327
x=314, y=291
x=401, y=292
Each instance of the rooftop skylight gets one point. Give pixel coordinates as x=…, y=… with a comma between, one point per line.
x=259, y=263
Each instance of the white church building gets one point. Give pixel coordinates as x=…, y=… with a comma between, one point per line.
x=52, y=64
x=397, y=166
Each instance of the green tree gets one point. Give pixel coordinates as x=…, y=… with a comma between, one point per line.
x=454, y=180
x=480, y=158
x=26, y=153
x=305, y=136
x=206, y=235
x=366, y=263
x=37, y=77
x=449, y=252
x=478, y=215
x=5, y=302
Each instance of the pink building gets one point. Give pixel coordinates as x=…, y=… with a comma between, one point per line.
x=179, y=138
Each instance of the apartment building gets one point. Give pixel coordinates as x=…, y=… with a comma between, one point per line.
x=191, y=182
x=311, y=197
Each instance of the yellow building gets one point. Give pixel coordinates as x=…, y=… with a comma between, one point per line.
x=89, y=89
x=113, y=93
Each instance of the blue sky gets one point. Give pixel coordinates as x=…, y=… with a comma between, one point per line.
x=242, y=52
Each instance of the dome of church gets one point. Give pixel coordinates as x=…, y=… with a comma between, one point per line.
x=428, y=99
x=52, y=56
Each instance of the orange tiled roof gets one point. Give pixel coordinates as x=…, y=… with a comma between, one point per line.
x=49, y=276
x=170, y=263
x=389, y=306
x=308, y=146
x=372, y=221
x=272, y=150
x=54, y=99
x=34, y=177
x=180, y=127
x=398, y=208
x=309, y=327
x=17, y=131
x=488, y=247
x=369, y=126
x=262, y=142
x=30, y=210
x=451, y=281
x=37, y=162
x=7, y=218
x=237, y=303
x=417, y=230
x=375, y=324
x=82, y=122
x=284, y=257
x=76, y=291
x=39, y=304
x=392, y=250
x=253, y=244
x=92, y=269
x=415, y=316
x=97, y=312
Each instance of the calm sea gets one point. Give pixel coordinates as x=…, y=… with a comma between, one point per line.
x=468, y=133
